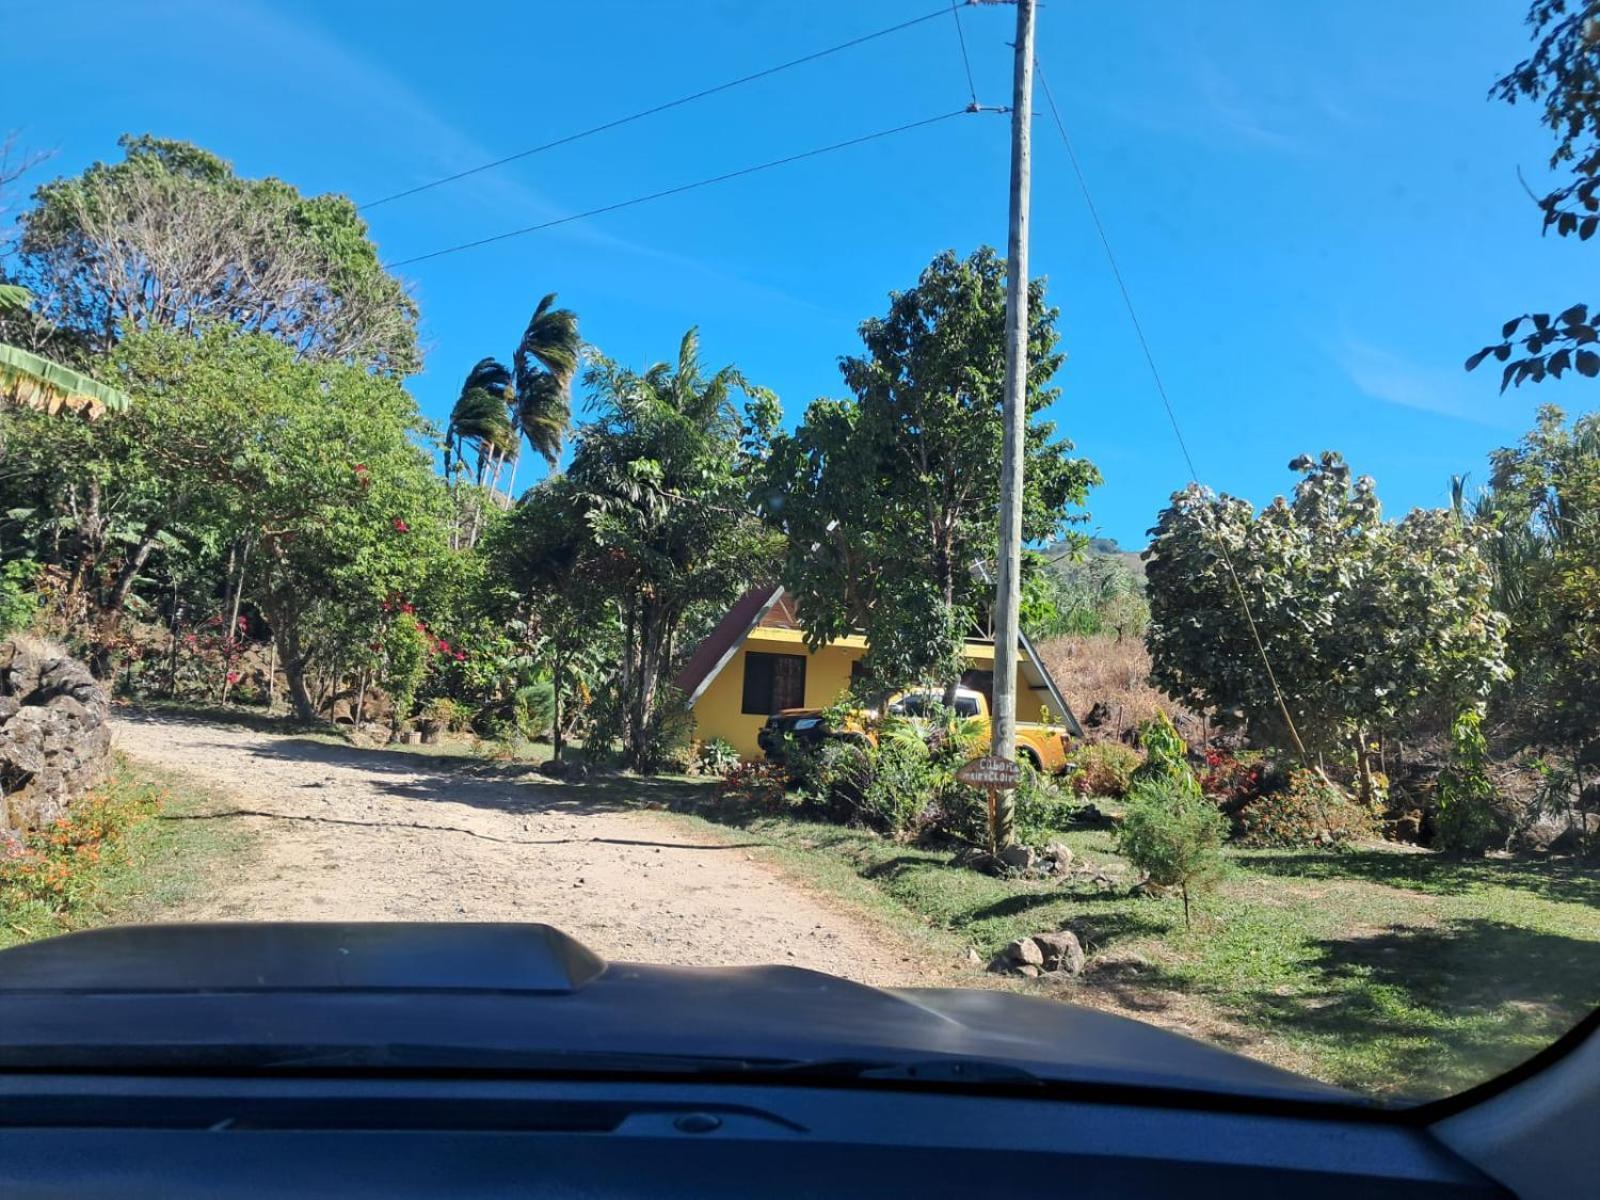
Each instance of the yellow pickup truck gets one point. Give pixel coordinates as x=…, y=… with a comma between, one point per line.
x=1044, y=747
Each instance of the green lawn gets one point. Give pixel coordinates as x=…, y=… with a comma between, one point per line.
x=1398, y=973
x=157, y=862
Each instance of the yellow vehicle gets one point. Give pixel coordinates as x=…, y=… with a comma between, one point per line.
x=1044, y=747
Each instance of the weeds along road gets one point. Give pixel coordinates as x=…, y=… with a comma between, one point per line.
x=346, y=834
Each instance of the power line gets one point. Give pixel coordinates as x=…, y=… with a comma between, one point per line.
x=661, y=108
x=1166, y=402
x=972, y=88
x=686, y=187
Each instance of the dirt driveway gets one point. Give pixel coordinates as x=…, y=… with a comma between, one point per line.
x=351, y=834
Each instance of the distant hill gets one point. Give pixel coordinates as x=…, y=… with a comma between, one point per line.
x=1099, y=547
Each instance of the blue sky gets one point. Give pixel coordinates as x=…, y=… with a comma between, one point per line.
x=1315, y=206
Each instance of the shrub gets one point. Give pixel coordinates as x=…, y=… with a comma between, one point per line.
x=762, y=785
x=1233, y=781
x=1466, y=820
x=899, y=785
x=1043, y=807
x=1103, y=769
x=533, y=708
x=18, y=602
x=52, y=866
x=1174, y=835
x=1166, y=757
x=448, y=714
x=715, y=757
x=1310, y=811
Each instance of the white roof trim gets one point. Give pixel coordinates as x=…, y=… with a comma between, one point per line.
x=736, y=646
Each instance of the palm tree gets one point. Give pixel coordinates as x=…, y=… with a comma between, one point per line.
x=545, y=362
x=482, y=417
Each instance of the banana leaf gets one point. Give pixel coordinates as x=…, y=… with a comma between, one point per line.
x=34, y=382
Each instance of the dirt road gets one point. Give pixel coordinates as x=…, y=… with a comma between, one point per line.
x=351, y=834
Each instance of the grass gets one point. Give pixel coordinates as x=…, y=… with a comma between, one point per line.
x=1397, y=973
x=134, y=866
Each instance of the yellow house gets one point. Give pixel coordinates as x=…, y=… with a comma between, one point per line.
x=756, y=662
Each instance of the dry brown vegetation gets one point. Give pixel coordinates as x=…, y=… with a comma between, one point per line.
x=1106, y=681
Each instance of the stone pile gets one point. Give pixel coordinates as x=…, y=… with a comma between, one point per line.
x=1056, y=863
x=1058, y=953
x=55, y=733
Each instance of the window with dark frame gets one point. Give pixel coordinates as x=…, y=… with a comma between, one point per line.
x=772, y=682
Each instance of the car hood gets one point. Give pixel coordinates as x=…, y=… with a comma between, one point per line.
x=373, y=996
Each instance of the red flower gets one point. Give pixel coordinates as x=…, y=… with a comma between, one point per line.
x=401, y=525
x=233, y=677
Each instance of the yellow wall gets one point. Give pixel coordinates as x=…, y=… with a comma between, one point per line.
x=827, y=678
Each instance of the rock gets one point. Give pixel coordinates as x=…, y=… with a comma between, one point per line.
x=974, y=957
x=55, y=742
x=1020, y=857
x=1061, y=951
x=1060, y=854
x=1025, y=952
x=1028, y=970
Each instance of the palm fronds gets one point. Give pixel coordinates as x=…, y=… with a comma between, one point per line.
x=544, y=364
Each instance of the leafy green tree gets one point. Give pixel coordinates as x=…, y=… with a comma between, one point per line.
x=1562, y=77
x=99, y=501
x=657, y=500
x=346, y=511
x=1365, y=623
x=889, y=499
x=1069, y=595
x=547, y=578
x=1542, y=514
x=158, y=240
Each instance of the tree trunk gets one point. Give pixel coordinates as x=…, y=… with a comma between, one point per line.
x=555, y=723
x=641, y=704
x=305, y=708
x=131, y=566
x=1364, y=769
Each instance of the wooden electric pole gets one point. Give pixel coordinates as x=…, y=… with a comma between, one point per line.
x=1008, y=576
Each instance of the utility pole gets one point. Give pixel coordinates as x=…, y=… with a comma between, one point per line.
x=1008, y=577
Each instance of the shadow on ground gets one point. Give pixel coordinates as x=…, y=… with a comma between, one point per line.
x=1426, y=872
x=510, y=788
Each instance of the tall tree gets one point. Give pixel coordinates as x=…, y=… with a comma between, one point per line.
x=1365, y=623
x=889, y=499
x=1543, y=510
x=545, y=361
x=481, y=418
x=658, y=494
x=347, y=513
x=172, y=237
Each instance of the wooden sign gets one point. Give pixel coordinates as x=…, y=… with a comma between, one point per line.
x=990, y=772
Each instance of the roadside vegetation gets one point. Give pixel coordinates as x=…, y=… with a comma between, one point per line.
x=1401, y=974
x=127, y=852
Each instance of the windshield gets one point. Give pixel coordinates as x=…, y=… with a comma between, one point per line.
x=420, y=492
